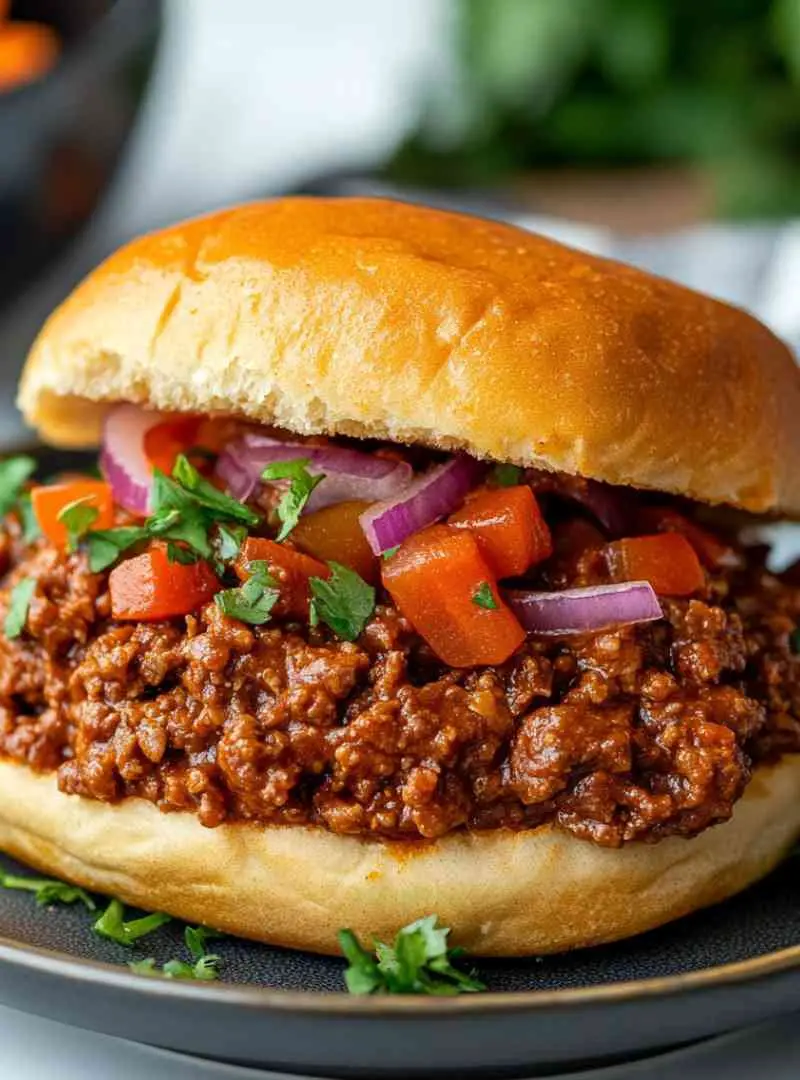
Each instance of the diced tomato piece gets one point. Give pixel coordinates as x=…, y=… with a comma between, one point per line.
x=335, y=533
x=165, y=441
x=290, y=568
x=149, y=587
x=668, y=561
x=48, y=502
x=509, y=528
x=434, y=579
x=713, y=552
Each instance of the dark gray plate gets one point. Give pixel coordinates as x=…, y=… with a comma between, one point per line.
x=735, y=964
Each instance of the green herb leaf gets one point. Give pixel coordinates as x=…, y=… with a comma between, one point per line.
x=196, y=938
x=106, y=545
x=506, y=475
x=252, y=602
x=418, y=962
x=112, y=925
x=794, y=641
x=302, y=483
x=181, y=555
x=18, y=604
x=344, y=601
x=484, y=597
x=143, y=967
x=30, y=526
x=77, y=518
x=48, y=890
x=229, y=540
x=390, y=551
x=205, y=969
x=14, y=471
x=210, y=497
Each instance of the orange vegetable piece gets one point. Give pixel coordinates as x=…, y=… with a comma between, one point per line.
x=434, y=579
x=165, y=441
x=335, y=533
x=149, y=587
x=668, y=561
x=27, y=51
x=509, y=528
x=290, y=568
x=713, y=552
x=48, y=501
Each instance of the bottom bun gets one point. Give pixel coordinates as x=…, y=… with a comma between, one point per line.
x=503, y=893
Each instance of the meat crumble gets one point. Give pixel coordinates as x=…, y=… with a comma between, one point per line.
x=636, y=733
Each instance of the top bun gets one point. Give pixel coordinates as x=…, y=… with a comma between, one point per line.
x=374, y=318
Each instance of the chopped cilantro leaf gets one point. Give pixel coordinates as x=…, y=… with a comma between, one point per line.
x=30, y=526
x=484, y=597
x=302, y=483
x=181, y=555
x=205, y=969
x=418, y=962
x=794, y=641
x=14, y=471
x=106, y=545
x=112, y=925
x=48, y=890
x=343, y=602
x=196, y=938
x=77, y=518
x=252, y=602
x=229, y=540
x=208, y=496
x=506, y=475
x=18, y=604
x=390, y=551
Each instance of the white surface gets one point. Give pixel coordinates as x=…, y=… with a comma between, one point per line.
x=34, y=1049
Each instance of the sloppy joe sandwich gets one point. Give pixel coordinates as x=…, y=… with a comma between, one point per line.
x=412, y=580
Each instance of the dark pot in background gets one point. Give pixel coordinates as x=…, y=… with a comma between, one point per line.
x=61, y=136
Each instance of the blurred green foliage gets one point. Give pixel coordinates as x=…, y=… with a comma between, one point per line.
x=604, y=83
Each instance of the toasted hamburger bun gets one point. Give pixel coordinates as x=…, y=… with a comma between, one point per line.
x=504, y=893
x=374, y=318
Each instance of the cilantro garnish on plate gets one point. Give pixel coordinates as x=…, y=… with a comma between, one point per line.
x=418, y=962
x=47, y=890
x=112, y=924
x=14, y=472
x=77, y=518
x=344, y=601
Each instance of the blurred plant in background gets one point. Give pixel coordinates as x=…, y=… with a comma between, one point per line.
x=708, y=85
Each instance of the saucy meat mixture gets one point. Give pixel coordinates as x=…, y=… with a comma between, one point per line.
x=629, y=733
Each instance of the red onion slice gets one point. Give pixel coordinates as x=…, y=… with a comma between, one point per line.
x=580, y=611
x=349, y=474
x=431, y=496
x=122, y=457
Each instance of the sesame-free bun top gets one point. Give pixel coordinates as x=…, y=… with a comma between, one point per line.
x=375, y=318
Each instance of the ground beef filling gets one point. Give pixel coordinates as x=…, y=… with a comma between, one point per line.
x=631, y=734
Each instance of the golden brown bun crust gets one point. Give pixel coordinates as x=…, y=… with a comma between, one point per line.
x=377, y=318
x=504, y=893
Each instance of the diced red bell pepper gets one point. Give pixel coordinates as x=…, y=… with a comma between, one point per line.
x=165, y=441
x=508, y=525
x=435, y=579
x=149, y=587
x=335, y=533
x=290, y=568
x=713, y=552
x=49, y=500
x=668, y=561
